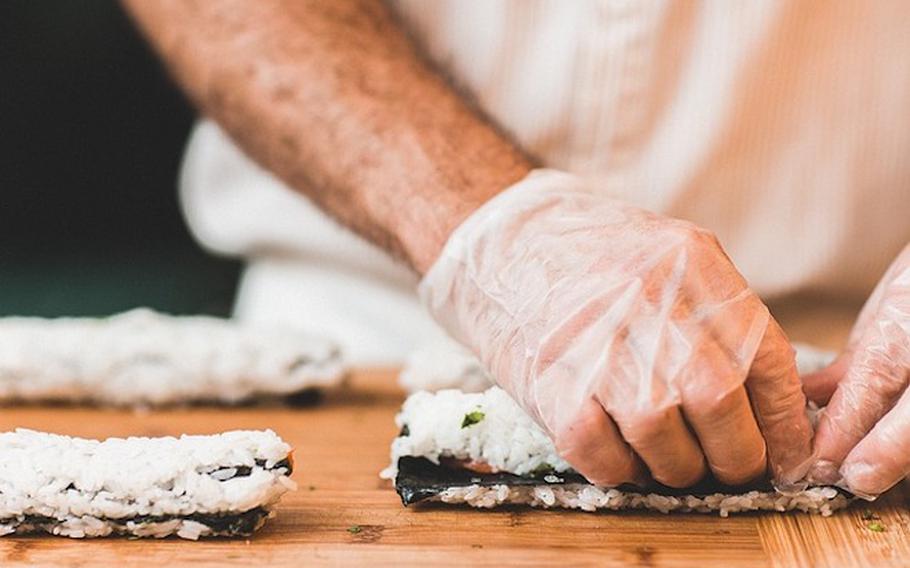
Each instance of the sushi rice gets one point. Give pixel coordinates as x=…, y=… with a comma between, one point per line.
x=191, y=486
x=144, y=358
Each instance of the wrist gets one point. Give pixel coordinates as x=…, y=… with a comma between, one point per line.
x=426, y=227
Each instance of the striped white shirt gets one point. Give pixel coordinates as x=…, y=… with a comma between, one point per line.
x=781, y=125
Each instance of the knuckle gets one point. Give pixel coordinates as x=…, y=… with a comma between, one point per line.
x=643, y=424
x=712, y=402
x=696, y=235
x=777, y=363
x=685, y=231
x=780, y=405
x=707, y=238
x=883, y=364
x=873, y=379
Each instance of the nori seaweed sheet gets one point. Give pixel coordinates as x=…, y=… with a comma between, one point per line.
x=225, y=524
x=420, y=479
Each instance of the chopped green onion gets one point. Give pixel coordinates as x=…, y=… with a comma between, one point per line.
x=355, y=529
x=876, y=526
x=472, y=418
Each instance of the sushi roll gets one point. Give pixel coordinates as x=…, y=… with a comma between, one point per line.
x=142, y=358
x=482, y=450
x=192, y=486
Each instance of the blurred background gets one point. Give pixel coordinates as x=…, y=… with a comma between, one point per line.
x=91, y=136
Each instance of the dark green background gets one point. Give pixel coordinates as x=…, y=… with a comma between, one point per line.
x=91, y=135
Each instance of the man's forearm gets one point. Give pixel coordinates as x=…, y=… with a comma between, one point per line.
x=331, y=97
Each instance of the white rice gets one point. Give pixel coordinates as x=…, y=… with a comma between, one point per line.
x=96, y=488
x=821, y=500
x=443, y=364
x=145, y=358
x=505, y=438
x=810, y=359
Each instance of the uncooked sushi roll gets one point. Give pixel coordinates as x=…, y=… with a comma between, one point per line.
x=192, y=486
x=483, y=450
x=144, y=358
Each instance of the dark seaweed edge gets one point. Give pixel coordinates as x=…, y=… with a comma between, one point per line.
x=222, y=524
x=419, y=479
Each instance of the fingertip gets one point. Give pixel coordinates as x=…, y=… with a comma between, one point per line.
x=865, y=480
x=824, y=472
x=828, y=454
x=793, y=476
x=628, y=473
x=880, y=460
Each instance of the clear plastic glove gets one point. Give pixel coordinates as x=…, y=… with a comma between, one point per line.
x=629, y=337
x=863, y=436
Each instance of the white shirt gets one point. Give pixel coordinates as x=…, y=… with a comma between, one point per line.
x=781, y=125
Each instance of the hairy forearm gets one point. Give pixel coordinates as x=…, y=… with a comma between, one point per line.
x=331, y=96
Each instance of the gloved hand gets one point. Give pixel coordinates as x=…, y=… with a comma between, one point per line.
x=863, y=436
x=629, y=337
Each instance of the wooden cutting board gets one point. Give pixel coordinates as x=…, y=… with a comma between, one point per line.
x=343, y=514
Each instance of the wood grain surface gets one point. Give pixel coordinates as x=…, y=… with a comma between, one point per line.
x=342, y=444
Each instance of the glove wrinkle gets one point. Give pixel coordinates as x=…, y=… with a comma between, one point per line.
x=568, y=298
x=863, y=437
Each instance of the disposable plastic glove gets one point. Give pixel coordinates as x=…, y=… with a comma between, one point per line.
x=863, y=437
x=629, y=337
